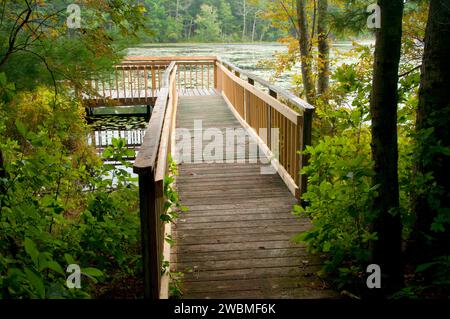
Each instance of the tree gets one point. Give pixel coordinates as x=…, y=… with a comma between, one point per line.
x=226, y=18
x=244, y=22
x=431, y=201
x=323, y=48
x=305, y=52
x=383, y=109
x=38, y=48
x=208, y=27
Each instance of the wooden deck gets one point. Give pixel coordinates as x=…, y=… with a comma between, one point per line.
x=234, y=242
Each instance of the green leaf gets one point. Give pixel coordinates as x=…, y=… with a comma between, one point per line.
x=92, y=272
x=3, y=79
x=21, y=128
x=31, y=250
x=107, y=153
x=69, y=259
x=53, y=265
x=36, y=282
x=326, y=246
x=424, y=267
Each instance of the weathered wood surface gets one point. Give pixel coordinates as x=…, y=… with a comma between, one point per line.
x=235, y=240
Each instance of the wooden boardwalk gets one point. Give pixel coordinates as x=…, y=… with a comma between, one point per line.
x=235, y=240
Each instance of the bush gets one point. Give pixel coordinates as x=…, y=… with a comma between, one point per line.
x=339, y=196
x=60, y=205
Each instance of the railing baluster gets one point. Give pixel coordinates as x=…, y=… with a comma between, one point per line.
x=124, y=84
x=139, y=83
x=145, y=84
x=153, y=80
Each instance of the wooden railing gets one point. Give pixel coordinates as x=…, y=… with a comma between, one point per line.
x=130, y=83
x=261, y=108
x=152, y=165
x=138, y=80
x=268, y=112
x=194, y=75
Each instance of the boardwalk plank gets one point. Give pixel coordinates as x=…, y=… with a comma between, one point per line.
x=235, y=240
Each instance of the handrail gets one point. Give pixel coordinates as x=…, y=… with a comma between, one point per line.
x=295, y=100
x=146, y=159
x=263, y=113
x=169, y=59
x=151, y=166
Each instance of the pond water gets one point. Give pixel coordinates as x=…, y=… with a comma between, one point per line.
x=245, y=56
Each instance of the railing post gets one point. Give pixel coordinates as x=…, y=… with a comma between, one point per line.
x=149, y=240
x=248, y=101
x=307, y=139
x=269, y=119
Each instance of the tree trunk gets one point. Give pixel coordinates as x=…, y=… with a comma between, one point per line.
x=323, y=82
x=305, y=53
x=433, y=116
x=386, y=251
x=190, y=28
x=244, y=27
x=254, y=27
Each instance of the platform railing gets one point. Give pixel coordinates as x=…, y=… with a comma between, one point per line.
x=269, y=112
x=270, y=108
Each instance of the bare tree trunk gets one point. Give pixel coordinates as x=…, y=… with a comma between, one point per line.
x=386, y=251
x=254, y=26
x=305, y=53
x=244, y=28
x=323, y=82
x=190, y=28
x=263, y=33
x=433, y=115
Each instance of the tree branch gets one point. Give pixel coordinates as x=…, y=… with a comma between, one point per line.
x=291, y=19
x=410, y=71
x=15, y=31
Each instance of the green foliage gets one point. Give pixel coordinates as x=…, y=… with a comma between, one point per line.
x=172, y=205
x=175, y=281
x=208, y=27
x=182, y=20
x=57, y=207
x=339, y=196
x=172, y=210
x=42, y=50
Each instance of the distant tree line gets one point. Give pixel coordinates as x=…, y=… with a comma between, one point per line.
x=208, y=21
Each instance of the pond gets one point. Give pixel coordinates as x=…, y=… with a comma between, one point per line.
x=245, y=56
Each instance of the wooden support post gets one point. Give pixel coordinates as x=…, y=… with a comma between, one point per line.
x=149, y=111
x=269, y=120
x=248, y=101
x=216, y=86
x=149, y=240
x=153, y=81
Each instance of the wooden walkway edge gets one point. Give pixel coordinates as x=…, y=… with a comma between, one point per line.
x=235, y=240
